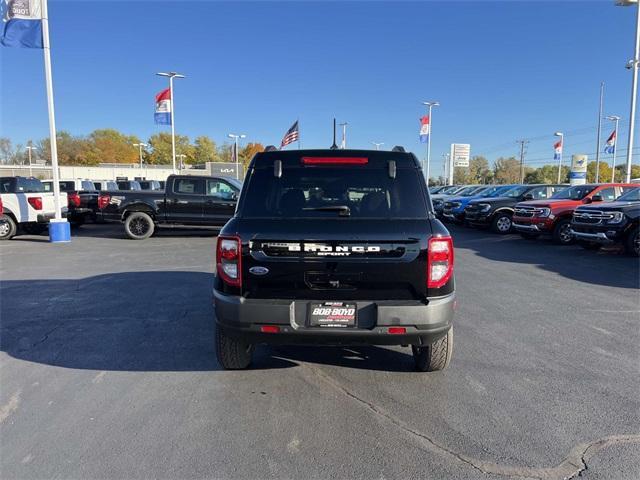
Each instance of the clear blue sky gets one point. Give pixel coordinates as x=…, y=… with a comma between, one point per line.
x=501, y=70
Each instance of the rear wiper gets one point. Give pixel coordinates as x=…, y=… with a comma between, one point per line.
x=344, y=210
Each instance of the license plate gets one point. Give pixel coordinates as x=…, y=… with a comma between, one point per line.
x=332, y=314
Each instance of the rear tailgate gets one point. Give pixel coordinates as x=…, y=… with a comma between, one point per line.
x=336, y=259
x=48, y=202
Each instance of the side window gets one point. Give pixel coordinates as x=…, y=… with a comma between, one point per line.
x=554, y=189
x=87, y=185
x=191, y=186
x=47, y=186
x=608, y=194
x=539, y=193
x=624, y=190
x=220, y=189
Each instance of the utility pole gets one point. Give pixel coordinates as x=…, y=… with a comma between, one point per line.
x=445, y=167
x=29, y=148
x=522, y=146
x=599, y=132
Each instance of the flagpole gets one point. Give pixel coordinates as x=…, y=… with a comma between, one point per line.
x=616, y=119
x=599, y=133
x=62, y=233
x=173, y=127
x=299, y=141
x=430, y=105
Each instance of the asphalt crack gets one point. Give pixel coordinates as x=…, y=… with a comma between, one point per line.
x=574, y=464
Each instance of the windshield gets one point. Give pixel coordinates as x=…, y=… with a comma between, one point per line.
x=324, y=192
x=495, y=191
x=574, y=193
x=630, y=196
x=516, y=191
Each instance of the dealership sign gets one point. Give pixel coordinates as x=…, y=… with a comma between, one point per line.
x=460, y=153
x=578, y=174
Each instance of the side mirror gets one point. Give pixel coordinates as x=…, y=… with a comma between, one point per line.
x=587, y=200
x=596, y=198
x=234, y=196
x=528, y=196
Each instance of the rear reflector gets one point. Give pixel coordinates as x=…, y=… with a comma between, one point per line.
x=397, y=330
x=335, y=160
x=35, y=202
x=103, y=201
x=270, y=329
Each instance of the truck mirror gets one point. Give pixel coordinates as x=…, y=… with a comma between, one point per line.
x=528, y=196
x=596, y=198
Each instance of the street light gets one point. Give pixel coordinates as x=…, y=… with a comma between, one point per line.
x=615, y=119
x=140, y=147
x=561, y=135
x=430, y=105
x=235, y=139
x=632, y=64
x=182, y=156
x=344, y=135
x=30, y=147
x=378, y=144
x=171, y=76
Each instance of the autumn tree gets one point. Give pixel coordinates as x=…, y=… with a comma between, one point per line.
x=161, y=149
x=249, y=151
x=604, y=172
x=204, y=150
x=479, y=171
x=72, y=150
x=507, y=170
x=111, y=146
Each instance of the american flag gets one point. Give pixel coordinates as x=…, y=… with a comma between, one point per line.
x=291, y=136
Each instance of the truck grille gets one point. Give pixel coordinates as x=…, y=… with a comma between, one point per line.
x=524, y=211
x=448, y=206
x=591, y=217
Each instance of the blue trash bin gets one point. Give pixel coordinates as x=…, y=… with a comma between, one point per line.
x=59, y=231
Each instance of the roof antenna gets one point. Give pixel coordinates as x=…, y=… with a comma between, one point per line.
x=334, y=146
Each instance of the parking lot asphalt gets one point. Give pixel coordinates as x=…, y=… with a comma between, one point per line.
x=108, y=370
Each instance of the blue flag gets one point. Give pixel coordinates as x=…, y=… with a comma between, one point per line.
x=21, y=23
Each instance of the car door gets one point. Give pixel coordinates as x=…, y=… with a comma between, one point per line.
x=220, y=201
x=185, y=201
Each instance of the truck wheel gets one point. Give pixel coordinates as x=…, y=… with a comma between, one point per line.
x=501, y=223
x=8, y=227
x=139, y=226
x=436, y=356
x=562, y=233
x=232, y=354
x=590, y=245
x=529, y=236
x=632, y=242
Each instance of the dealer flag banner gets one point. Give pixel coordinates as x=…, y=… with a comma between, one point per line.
x=163, y=107
x=425, y=129
x=21, y=23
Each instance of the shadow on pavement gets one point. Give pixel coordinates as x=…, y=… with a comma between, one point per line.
x=606, y=267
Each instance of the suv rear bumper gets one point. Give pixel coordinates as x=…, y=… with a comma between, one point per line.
x=243, y=317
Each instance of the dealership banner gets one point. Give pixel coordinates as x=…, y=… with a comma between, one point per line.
x=578, y=174
x=21, y=23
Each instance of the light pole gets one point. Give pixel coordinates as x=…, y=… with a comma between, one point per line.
x=171, y=76
x=30, y=147
x=430, y=106
x=561, y=135
x=235, y=138
x=615, y=119
x=344, y=135
x=632, y=64
x=599, y=133
x=378, y=144
x=181, y=156
x=140, y=147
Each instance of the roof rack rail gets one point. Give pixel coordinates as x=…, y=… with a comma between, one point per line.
x=271, y=148
x=398, y=148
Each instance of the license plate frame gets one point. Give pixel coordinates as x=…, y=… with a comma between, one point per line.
x=332, y=315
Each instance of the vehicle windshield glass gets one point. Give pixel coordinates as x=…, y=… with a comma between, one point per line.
x=466, y=191
x=515, y=192
x=235, y=182
x=630, y=196
x=494, y=191
x=574, y=193
x=304, y=192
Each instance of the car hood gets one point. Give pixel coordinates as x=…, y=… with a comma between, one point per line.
x=610, y=206
x=551, y=203
x=493, y=200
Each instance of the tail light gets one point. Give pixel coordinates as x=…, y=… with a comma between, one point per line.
x=73, y=199
x=103, y=200
x=229, y=260
x=335, y=160
x=35, y=202
x=439, y=261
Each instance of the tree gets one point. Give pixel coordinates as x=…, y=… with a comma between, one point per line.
x=72, y=150
x=547, y=174
x=507, y=170
x=604, y=172
x=248, y=152
x=204, y=150
x=111, y=146
x=479, y=171
x=6, y=150
x=461, y=176
x=161, y=152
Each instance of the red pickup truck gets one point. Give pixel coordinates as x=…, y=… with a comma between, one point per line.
x=553, y=215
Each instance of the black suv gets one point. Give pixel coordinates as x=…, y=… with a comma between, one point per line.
x=611, y=222
x=497, y=212
x=334, y=247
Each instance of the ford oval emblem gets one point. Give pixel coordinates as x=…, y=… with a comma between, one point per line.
x=259, y=270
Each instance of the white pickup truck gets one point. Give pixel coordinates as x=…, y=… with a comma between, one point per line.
x=26, y=207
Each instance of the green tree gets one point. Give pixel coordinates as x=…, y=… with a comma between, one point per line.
x=479, y=171
x=161, y=152
x=547, y=174
x=507, y=170
x=110, y=146
x=204, y=150
x=604, y=172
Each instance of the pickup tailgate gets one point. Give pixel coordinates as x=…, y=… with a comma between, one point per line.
x=48, y=202
x=356, y=260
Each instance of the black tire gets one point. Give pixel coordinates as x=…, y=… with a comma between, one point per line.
x=8, y=227
x=632, y=242
x=562, y=232
x=590, y=245
x=139, y=226
x=232, y=354
x=529, y=236
x=501, y=223
x=434, y=357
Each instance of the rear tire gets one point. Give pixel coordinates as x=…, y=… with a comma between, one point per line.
x=232, y=354
x=529, y=236
x=139, y=226
x=434, y=357
x=8, y=227
x=632, y=242
x=562, y=233
x=502, y=223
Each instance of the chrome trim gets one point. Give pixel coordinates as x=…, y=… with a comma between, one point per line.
x=526, y=228
x=599, y=237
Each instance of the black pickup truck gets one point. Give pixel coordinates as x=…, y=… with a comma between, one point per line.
x=608, y=223
x=82, y=199
x=187, y=200
x=334, y=247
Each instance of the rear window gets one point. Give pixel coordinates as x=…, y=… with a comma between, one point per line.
x=322, y=192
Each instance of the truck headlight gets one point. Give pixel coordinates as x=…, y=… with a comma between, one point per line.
x=543, y=212
x=617, y=218
x=484, y=207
